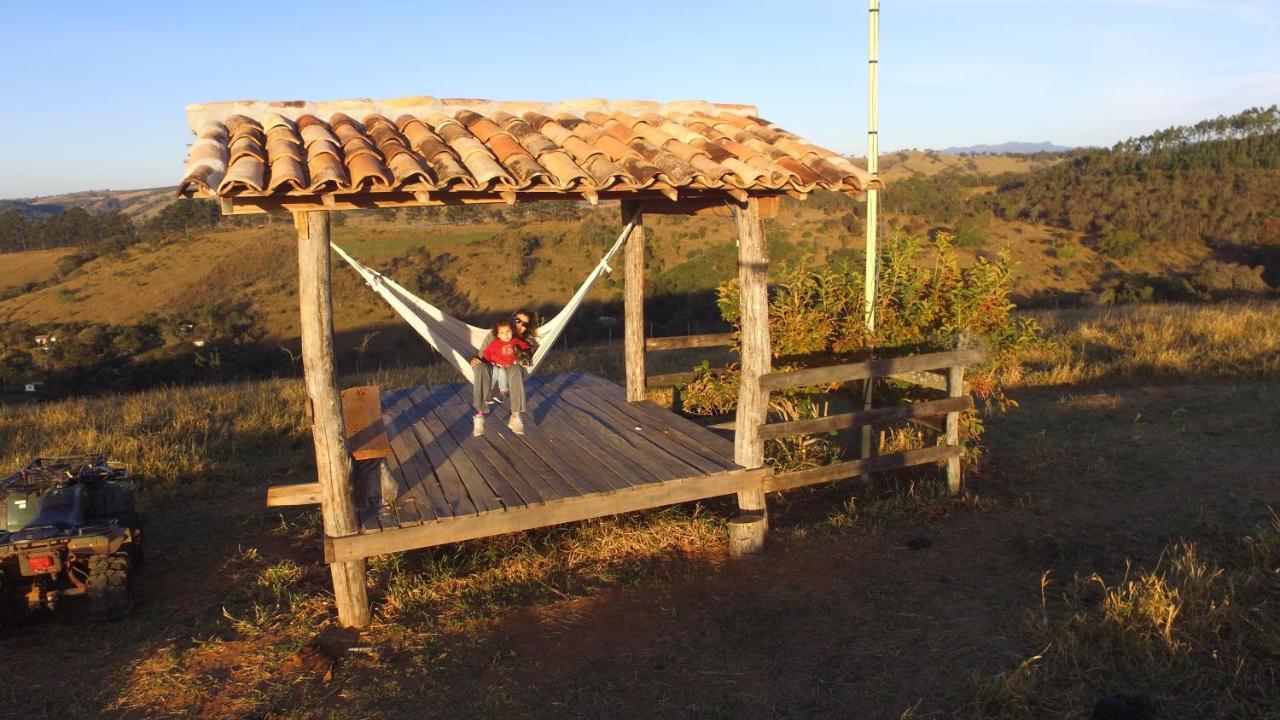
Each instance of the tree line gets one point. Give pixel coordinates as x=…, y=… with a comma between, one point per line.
x=81, y=229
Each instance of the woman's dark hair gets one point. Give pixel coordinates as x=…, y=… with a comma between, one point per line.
x=529, y=332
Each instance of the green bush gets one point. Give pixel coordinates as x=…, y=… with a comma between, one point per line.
x=1119, y=243
x=816, y=316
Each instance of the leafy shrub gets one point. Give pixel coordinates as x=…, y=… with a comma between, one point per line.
x=816, y=318
x=1218, y=280
x=1119, y=243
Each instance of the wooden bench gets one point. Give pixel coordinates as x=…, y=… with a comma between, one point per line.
x=366, y=440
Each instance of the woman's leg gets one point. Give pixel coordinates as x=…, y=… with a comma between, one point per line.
x=480, y=388
x=515, y=382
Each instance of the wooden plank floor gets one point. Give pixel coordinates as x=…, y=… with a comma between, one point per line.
x=585, y=452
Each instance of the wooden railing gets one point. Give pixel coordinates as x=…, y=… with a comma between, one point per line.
x=680, y=342
x=958, y=400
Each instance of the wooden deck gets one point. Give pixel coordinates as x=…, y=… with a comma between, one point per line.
x=586, y=453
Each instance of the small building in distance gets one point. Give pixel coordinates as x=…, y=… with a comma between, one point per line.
x=45, y=341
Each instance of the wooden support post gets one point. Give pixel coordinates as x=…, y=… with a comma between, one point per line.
x=333, y=464
x=746, y=535
x=756, y=358
x=633, y=304
x=955, y=388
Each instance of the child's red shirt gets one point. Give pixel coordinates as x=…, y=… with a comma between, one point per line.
x=503, y=353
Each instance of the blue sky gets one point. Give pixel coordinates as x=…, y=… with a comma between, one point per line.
x=94, y=92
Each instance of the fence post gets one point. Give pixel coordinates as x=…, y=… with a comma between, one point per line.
x=955, y=388
x=756, y=359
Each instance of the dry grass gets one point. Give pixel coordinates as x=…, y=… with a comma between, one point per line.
x=237, y=596
x=1196, y=637
x=1156, y=343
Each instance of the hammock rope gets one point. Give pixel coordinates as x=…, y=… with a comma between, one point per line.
x=457, y=341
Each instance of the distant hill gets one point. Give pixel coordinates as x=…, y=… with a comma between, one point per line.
x=141, y=204
x=904, y=164
x=1009, y=148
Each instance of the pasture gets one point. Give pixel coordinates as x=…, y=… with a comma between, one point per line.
x=1099, y=552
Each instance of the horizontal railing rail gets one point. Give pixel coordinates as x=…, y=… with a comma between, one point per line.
x=910, y=368
x=842, y=421
x=677, y=342
x=869, y=369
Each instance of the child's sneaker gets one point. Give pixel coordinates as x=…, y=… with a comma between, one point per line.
x=515, y=424
x=477, y=425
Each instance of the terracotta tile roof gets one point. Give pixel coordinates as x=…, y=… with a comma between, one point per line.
x=420, y=144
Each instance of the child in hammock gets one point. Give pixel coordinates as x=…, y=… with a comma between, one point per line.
x=502, y=354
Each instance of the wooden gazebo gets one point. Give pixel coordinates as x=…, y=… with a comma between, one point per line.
x=396, y=469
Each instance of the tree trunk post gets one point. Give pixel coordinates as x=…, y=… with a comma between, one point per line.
x=955, y=388
x=755, y=357
x=333, y=464
x=633, y=304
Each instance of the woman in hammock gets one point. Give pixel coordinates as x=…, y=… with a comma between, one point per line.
x=522, y=328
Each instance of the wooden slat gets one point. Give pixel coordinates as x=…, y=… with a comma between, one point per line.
x=655, y=431
x=296, y=494
x=841, y=471
x=675, y=342
x=582, y=508
x=498, y=474
x=412, y=505
x=773, y=431
x=602, y=442
x=456, y=423
x=703, y=438
x=583, y=471
x=649, y=440
x=581, y=451
x=670, y=379
x=448, y=458
x=522, y=461
x=362, y=419
x=399, y=503
x=932, y=379
x=870, y=368
x=443, y=483
x=592, y=421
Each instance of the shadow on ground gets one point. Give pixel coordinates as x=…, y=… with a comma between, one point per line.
x=837, y=621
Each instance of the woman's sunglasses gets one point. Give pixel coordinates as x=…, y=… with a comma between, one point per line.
x=518, y=321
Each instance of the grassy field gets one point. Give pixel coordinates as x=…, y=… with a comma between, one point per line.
x=1117, y=545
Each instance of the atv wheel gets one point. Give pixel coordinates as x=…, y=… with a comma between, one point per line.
x=110, y=592
x=7, y=614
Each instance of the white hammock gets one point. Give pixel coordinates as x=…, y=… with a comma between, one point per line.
x=458, y=341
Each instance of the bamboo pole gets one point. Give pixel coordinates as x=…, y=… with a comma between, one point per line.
x=333, y=464
x=756, y=360
x=633, y=303
x=872, y=271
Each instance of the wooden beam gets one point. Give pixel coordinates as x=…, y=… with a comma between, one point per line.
x=932, y=379
x=715, y=205
x=755, y=352
x=845, y=470
x=930, y=408
x=333, y=464
x=296, y=494
x=469, y=527
x=362, y=419
x=670, y=379
x=869, y=369
x=677, y=342
x=633, y=304
x=955, y=387
x=656, y=201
